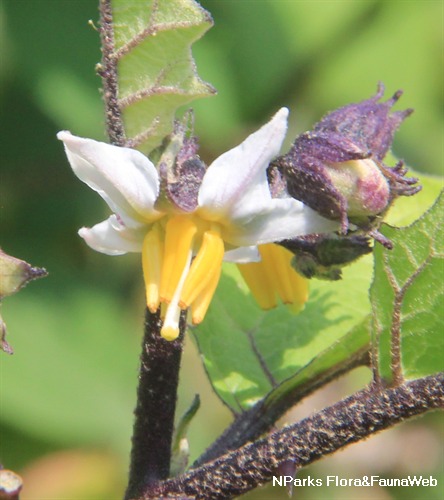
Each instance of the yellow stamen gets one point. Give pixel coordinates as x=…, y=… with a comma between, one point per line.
x=202, y=302
x=205, y=265
x=276, y=261
x=179, y=234
x=273, y=276
x=170, y=328
x=299, y=285
x=152, y=251
x=259, y=285
x=163, y=310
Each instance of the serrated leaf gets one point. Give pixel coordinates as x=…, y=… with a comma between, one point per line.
x=411, y=276
x=156, y=72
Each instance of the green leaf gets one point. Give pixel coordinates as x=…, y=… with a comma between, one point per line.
x=247, y=352
x=180, y=450
x=338, y=356
x=409, y=281
x=407, y=209
x=156, y=72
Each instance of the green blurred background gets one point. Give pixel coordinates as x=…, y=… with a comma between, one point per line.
x=68, y=392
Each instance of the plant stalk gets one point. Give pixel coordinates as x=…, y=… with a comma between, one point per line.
x=156, y=404
x=107, y=69
x=348, y=421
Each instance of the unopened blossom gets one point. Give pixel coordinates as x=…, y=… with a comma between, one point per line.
x=14, y=275
x=338, y=169
x=183, y=244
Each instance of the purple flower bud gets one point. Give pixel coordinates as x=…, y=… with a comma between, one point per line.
x=337, y=169
x=368, y=124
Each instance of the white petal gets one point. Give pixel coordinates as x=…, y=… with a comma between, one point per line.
x=236, y=181
x=284, y=219
x=125, y=178
x=112, y=238
x=243, y=255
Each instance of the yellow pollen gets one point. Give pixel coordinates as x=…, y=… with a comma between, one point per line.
x=204, y=269
x=152, y=251
x=179, y=234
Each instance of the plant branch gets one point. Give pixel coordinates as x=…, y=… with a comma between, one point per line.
x=348, y=421
x=107, y=69
x=258, y=420
x=156, y=404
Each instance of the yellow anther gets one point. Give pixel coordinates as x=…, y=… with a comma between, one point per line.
x=257, y=280
x=163, y=310
x=274, y=276
x=179, y=233
x=299, y=285
x=152, y=251
x=206, y=264
x=276, y=261
x=202, y=302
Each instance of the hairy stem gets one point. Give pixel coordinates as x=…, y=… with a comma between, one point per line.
x=156, y=404
x=395, y=330
x=107, y=69
x=258, y=420
x=348, y=421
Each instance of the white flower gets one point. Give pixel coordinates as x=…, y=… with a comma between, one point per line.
x=235, y=213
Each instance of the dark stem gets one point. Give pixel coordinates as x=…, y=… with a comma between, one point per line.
x=259, y=419
x=348, y=421
x=156, y=404
x=108, y=71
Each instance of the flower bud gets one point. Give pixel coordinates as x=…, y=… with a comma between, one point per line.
x=323, y=256
x=361, y=183
x=337, y=169
x=10, y=484
x=14, y=275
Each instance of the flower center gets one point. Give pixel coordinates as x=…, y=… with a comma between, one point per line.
x=171, y=274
